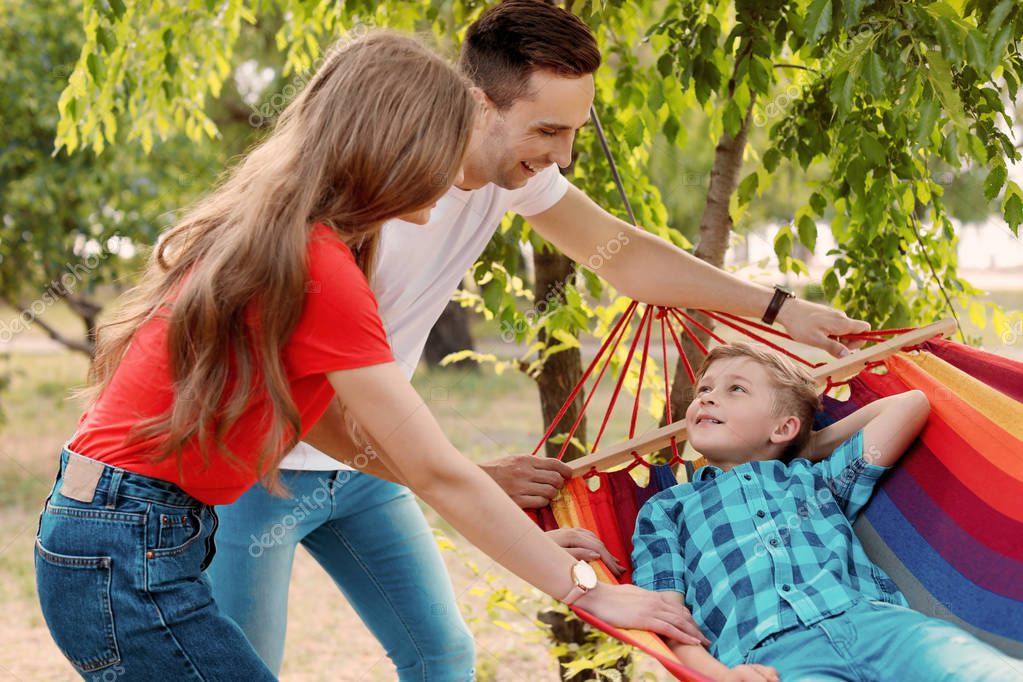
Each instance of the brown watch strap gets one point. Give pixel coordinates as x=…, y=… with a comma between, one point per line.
x=780, y=296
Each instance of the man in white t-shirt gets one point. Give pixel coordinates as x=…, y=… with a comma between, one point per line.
x=533, y=65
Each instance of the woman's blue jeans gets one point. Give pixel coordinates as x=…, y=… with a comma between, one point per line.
x=371, y=537
x=119, y=561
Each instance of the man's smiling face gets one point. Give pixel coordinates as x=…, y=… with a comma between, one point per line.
x=512, y=145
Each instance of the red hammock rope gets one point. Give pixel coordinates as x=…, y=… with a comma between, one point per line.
x=669, y=318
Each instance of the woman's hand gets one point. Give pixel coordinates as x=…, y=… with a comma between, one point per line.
x=585, y=545
x=628, y=606
x=531, y=481
x=750, y=673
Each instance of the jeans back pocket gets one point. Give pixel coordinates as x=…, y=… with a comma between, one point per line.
x=74, y=593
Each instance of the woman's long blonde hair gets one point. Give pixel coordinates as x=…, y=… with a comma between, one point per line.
x=379, y=131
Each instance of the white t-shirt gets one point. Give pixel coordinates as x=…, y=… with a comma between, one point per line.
x=419, y=267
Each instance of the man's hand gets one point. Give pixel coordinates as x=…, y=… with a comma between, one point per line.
x=582, y=544
x=812, y=324
x=750, y=673
x=531, y=481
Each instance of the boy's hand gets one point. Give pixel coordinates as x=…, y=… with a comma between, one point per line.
x=750, y=673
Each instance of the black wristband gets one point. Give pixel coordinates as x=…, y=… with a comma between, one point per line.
x=781, y=294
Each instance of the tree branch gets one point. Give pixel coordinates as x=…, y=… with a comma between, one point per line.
x=79, y=345
x=779, y=65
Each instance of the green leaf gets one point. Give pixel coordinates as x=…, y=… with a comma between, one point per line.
x=170, y=63
x=830, y=284
x=732, y=118
x=873, y=150
x=818, y=203
x=925, y=124
x=818, y=20
x=1012, y=206
x=875, y=75
x=995, y=179
x=747, y=188
x=771, y=158
x=783, y=243
x=759, y=76
x=807, y=232
x=665, y=65
x=117, y=8
x=976, y=51
x=997, y=16
x=106, y=39
x=92, y=64
x=853, y=9
x=939, y=74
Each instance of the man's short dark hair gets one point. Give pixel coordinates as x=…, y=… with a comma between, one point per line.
x=517, y=37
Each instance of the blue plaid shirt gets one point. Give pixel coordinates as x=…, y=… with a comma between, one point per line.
x=764, y=547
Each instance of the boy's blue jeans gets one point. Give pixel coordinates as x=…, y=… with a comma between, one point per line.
x=875, y=641
x=119, y=562
x=372, y=539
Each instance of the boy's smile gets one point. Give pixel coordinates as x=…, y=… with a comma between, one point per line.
x=733, y=419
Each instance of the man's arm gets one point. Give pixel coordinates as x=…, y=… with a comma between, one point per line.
x=647, y=268
x=889, y=426
x=330, y=436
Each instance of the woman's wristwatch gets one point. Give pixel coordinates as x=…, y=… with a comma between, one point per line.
x=584, y=579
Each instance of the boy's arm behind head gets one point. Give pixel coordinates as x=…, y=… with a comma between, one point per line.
x=889, y=426
x=895, y=427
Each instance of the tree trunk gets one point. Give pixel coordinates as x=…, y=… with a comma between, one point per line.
x=450, y=334
x=715, y=231
x=563, y=370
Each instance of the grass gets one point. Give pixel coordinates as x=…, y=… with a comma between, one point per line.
x=485, y=416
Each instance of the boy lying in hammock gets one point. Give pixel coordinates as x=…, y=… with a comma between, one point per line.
x=760, y=546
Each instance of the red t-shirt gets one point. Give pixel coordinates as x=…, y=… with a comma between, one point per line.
x=339, y=329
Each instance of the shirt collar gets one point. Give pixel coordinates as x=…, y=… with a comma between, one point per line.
x=706, y=473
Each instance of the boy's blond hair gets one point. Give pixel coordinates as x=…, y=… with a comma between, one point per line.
x=795, y=392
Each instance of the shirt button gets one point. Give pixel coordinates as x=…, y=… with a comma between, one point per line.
x=773, y=542
x=760, y=513
x=747, y=477
x=786, y=588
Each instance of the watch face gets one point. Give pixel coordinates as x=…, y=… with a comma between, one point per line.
x=584, y=575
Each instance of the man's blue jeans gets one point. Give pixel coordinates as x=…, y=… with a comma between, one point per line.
x=119, y=561
x=875, y=641
x=371, y=537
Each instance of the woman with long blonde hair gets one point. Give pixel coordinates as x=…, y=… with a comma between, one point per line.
x=253, y=320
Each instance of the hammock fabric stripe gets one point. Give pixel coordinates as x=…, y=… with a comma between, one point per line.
x=882, y=555
x=994, y=370
x=946, y=524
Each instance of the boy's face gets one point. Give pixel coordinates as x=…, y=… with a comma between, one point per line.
x=732, y=418
x=512, y=145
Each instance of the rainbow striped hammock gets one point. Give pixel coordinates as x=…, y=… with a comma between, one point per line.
x=946, y=523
